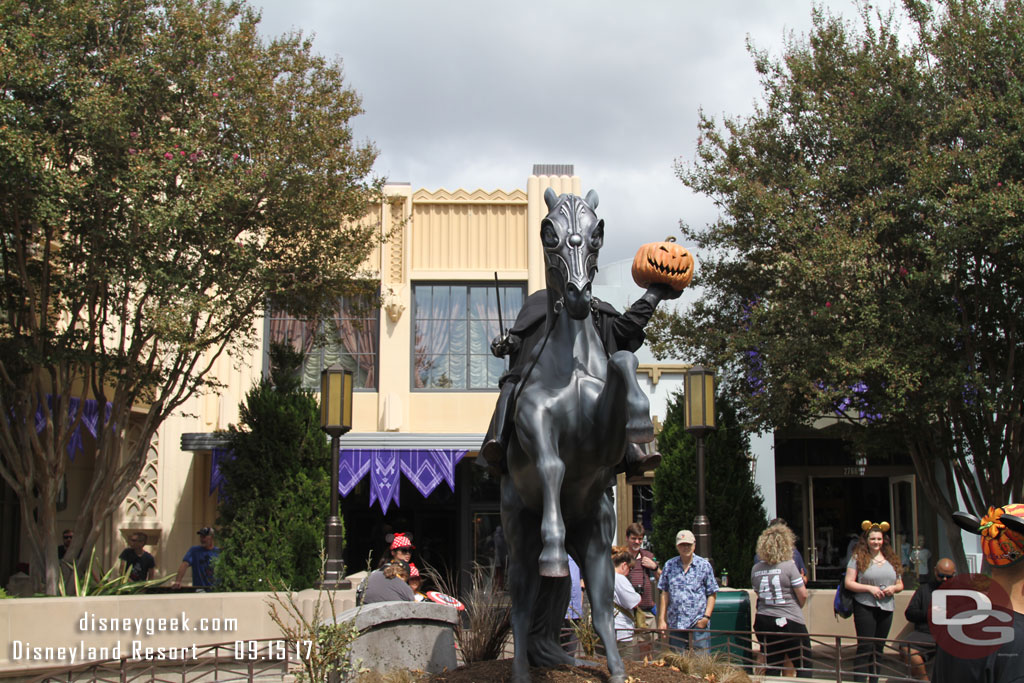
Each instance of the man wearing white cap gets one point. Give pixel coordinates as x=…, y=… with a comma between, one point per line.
x=688, y=589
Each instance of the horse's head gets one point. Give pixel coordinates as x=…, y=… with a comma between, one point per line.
x=572, y=234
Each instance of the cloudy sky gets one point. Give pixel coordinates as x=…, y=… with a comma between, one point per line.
x=472, y=94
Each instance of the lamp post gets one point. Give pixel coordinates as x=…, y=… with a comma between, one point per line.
x=335, y=420
x=699, y=419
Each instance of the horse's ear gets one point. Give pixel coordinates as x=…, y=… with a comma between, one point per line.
x=967, y=522
x=591, y=200
x=550, y=198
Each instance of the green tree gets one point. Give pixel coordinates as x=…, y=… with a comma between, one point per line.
x=733, y=502
x=277, y=485
x=164, y=172
x=867, y=260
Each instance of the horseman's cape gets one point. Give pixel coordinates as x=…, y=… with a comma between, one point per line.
x=618, y=331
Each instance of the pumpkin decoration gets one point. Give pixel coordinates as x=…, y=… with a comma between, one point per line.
x=665, y=262
x=1001, y=531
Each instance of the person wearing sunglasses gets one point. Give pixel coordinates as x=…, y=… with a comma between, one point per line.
x=922, y=649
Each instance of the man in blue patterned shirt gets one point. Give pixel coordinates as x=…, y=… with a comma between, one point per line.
x=688, y=589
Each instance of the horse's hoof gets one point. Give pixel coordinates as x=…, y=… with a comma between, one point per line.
x=617, y=678
x=554, y=568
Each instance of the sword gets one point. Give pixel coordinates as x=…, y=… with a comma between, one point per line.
x=497, y=294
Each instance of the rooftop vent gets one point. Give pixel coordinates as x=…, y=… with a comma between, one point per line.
x=552, y=169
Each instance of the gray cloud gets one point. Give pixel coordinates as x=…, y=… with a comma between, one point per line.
x=471, y=94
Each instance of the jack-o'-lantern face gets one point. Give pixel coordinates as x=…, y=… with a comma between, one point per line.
x=663, y=262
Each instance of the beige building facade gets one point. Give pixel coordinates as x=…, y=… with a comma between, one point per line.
x=426, y=387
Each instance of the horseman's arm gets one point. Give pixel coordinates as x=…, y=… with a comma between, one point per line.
x=529, y=317
x=628, y=328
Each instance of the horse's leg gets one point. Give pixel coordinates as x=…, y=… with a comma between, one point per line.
x=600, y=577
x=621, y=385
x=535, y=424
x=548, y=618
x=523, y=579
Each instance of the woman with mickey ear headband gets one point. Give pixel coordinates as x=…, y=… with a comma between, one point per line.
x=873, y=576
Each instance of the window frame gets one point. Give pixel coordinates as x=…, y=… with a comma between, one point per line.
x=469, y=284
x=375, y=320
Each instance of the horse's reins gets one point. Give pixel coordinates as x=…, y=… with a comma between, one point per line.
x=559, y=307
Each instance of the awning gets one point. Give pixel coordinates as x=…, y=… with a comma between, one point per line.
x=426, y=460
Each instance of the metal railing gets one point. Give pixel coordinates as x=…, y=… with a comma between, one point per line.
x=248, y=660
x=830, y=657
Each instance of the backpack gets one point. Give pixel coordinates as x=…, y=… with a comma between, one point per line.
x=361, y=590
x=842, y=604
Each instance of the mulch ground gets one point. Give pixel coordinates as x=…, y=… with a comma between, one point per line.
x=500, y=671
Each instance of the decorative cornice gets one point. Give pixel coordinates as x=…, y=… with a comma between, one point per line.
x=443, y=196
x=656, y=370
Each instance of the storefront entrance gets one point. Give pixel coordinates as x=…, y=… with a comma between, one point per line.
x=826, y=513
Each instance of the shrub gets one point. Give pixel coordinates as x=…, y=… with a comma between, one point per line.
x=276, y=492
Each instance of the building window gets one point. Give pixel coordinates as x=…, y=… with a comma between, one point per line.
x=351, y=339
x=454, y=326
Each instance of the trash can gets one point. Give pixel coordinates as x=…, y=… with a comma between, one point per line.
x=730, y=627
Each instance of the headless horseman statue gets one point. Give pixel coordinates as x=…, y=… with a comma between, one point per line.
x=618, y=331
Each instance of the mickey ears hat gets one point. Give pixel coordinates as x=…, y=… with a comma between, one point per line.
x=868, y=525
x=401, y=541
x=1001, y=531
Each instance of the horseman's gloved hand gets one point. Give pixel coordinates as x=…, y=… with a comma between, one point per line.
x=658, y=292
x=503, y=345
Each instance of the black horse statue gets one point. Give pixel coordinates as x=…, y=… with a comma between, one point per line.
x=576, y=410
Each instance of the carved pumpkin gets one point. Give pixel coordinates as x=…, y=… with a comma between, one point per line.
x=663, y=262
x=1001, y=546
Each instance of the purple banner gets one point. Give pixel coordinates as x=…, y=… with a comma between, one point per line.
x=216, y=476
x=90, y=410
x=425, y=468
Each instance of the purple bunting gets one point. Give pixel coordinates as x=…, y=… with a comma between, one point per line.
x=90, y=419
x=216, y=476
x=425, y=468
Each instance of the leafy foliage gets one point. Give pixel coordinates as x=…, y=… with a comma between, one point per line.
x=329, y=642
x=733, y=503
x=86, y=581
x=276, y=486
x=485, y=626
x=867, y=261
x=164, y=172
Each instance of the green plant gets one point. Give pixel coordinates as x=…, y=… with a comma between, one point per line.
x=272, y=527
x=329, y=642
x=731, y=492
x=112, y=582
x=167, y=168
x=485, y=626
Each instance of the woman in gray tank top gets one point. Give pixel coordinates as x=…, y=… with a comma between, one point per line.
x=873, y=576
x=781, y=593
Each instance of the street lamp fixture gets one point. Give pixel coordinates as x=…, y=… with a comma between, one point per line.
x=699, y=419
x=335, y=420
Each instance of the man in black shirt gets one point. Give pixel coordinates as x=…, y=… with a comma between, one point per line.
x=917, y=614
x=135, y=561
